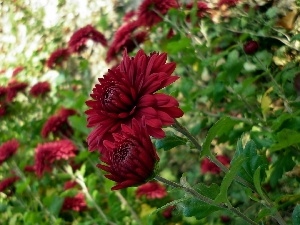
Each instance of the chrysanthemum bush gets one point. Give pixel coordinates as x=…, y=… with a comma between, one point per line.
x=196, y=121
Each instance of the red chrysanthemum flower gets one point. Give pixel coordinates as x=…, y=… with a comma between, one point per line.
x=58, y=57
x=2, y=109
x=7, y=182
x=201, y=8
x=131, y=158
x=167, y=213
x=3, y=91
x=78, y=40
x=209, y=167
x=128, y=91
x=251, y=47
x=8, y=149
x=129, y=16
x=40, y=89
x=149, y=9
x=126, y=37
x=17, y=70
x=58, y=124
x=151, y=190
x=29, y=168
x=13, y=88
x=70, y=184
x=46, y=154
x=229, y=3
x=76, y=203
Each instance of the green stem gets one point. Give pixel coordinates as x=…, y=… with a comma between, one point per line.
x=204, y=198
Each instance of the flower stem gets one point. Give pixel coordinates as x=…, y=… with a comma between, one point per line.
x=204, y=198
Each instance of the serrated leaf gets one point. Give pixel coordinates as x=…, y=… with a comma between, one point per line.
x=252, y=162
x=286, y=138
x=228, y=178
x=296, y=215
x=222, y=126
x=170, y=141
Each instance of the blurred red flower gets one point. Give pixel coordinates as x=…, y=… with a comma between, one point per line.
x=3, y=91
x=58, y=124
x=126, y=37
x=167, y=213
x=70, y=184
x=7, y=182
x=46, y=154
x=76, y=203
x=251, y=47
x=201, y=8
x=228, y=2
x=131, y=158
x=209, y=167
x=40, y=89
x=13, y=88
x=151, y=190
x=78, y=40
x=17, y=70
x=149, y=9
x=58, y=57
x=127, y=91
x=8, y=149
x=129, y=16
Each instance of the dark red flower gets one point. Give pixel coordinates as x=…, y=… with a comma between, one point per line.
x=17, y=70
x=58, y=57
x=3, y=91
x=78, y=40
x=58, y=124
x=29, y=168
x=46, y=154
x=76, y=203
x=131, y=158
x=151, y=190
x=129, y=16
x=70, y=184
x=2, y=109
x=128, y=91
x=167, y=213
x=209, y=167
x=149, y=9
x=7, y=182
x=251, y=47
x=126, y=37
x=225, y=219
x=229, y=3
x=8, y=149
x=40, y=89
x=13, y=88
x=201, y=8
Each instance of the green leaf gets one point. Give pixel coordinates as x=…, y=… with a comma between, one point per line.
x=296, y=215
x=199, y=209
x=174, y=47
x=257, y=181
x=295, y=38
x=222, y=126
x=170, y=141
x=286, y=138
x=228, y=178
x=252, y=162
x=79, y=123
x=55, y=205
x=263, y=59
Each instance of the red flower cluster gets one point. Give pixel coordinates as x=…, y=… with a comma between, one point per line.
x=8, y=149
x=58, y=124
x=201, y=8
x=130, y=158
x=76, y=203
x=58, y=57
x=150, y=11
x=40, y=89
x=79, y=38
x=13, y=88
x=209, y=167
x=7, y=182
x=151, y=190
x=128, y=91
x=46, y=154
x=127, y=37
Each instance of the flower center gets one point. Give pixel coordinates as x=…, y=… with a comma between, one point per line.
x=122, y=152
